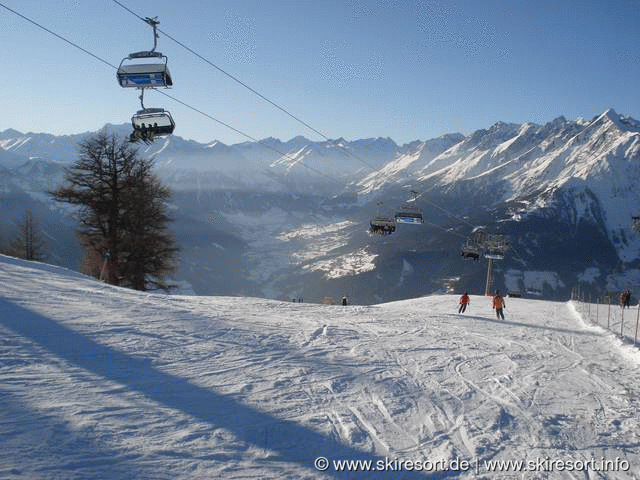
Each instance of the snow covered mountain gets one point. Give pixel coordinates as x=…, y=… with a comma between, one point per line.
x=598, y=161
x=103, y=382
x=565, y=191
x=323, y=162
x=289, y=219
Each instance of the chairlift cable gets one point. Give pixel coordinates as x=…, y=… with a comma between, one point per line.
x=448, y=230
x=73, y=44
x=246, y=135
x=232, y=77
x=254, y=91
x=287, y=112
x=59, y=36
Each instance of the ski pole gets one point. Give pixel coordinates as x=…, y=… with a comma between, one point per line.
x=635, y=339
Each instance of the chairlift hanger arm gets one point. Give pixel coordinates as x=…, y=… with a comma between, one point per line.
x=154, y=24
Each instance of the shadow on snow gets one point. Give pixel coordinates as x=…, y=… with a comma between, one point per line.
x=53, y=444
x=289, y=441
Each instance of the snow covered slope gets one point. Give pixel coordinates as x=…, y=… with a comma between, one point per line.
x=100, y=382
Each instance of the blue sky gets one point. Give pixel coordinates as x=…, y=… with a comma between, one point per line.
x=354, y=68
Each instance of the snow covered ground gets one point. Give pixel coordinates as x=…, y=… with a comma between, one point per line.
x=98, y=382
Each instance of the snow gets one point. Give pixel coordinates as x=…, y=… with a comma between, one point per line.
x=102, y=382
x=590, y=275
x=319, y=246
x=378, y=178
x=531, y=280
x=353, y=263
x=319, y=240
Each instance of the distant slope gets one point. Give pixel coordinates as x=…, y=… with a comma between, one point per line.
x=102, y=382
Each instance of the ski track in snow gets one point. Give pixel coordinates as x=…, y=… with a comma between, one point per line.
x=103, y=382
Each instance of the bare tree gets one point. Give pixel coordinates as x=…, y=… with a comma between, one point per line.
x=123, y=221
x=27, y=242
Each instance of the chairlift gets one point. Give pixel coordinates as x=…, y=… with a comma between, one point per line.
x=150, y=123
x=146, y=69
x=494, y=254
x=144, y=75
x=157, y=119
x=409, y=216
x=495, y=246
x=382, y=225
x=470, y=251
x=409, y=213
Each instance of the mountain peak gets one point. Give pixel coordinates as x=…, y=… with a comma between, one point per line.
x=621, y=123
x=611, y=115
x=11, y=133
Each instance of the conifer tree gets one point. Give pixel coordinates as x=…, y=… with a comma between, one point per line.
x=123, y=219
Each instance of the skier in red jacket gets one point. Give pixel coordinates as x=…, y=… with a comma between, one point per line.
x=464, y=301
x=499, y=305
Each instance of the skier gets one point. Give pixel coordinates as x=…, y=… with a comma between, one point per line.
x=344, y=301
x=625, y=298
x=464, y=301
x=499, y=305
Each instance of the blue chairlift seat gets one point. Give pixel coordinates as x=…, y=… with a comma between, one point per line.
x=409, y=214
x=414, y=218
x=144, y=75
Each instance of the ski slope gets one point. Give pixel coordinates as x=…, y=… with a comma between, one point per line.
x=98, y=382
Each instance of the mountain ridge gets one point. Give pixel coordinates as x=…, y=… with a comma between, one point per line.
x=293, y=219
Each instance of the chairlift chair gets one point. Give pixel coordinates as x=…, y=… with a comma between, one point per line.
x=131, y=73
x=158, y=120
x=495, y=254
x=496, y=245
x=382, y=225
x=470, y=251
x=150, y=123
x=409, y=213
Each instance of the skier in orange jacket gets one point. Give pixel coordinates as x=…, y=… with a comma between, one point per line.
x=464, y=301
x=499, y=305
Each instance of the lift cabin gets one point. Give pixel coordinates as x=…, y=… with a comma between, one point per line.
x=382, y=225
x=137, y=71
x=150, y=123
